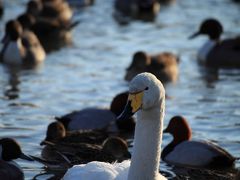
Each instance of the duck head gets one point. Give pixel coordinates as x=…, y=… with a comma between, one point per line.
x=26, y=20
x=55, y=131
x=13, y=31
x=34, y=7
x=210, y=27
x=10, y=150
x=179, y=129
x=117, y=147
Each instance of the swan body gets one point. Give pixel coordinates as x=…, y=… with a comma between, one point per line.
x=147, y=96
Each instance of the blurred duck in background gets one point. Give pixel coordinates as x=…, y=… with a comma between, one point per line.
x=145, y=10
x=99, y=118
x=183, y=151
x=20, y=47
x=164, y=66
x=53, y=23
x=10, y=150
x=217, y=52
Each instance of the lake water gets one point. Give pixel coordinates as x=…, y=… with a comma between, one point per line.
x=91, y=72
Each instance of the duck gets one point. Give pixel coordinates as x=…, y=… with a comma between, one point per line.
x=9, y=151
x=53, y=23
x=145, y=10
x=57, y=10
x=29, y=38
x=62, y=154
x=163, y=65
x=217, y=52
x=19, y=48
x=99, y=118
x=147, y=98
x=56, y=133
x=183, y=151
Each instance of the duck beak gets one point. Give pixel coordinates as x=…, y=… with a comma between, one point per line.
x=25, y=157
x=42, y=143
x=134, y=103
x=194, y=35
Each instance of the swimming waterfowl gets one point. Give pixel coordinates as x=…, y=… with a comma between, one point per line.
x=57, y=10
x=53, y=23
x=164, y=66
x=99, y=118
x=147, y=96
x=217, y=52
x=145, y=10
x=111, y=150
x=56, y=133
x=183, y=151
x=19, y=48
x=10, y=150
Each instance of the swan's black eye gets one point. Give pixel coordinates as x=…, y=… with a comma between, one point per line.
x=146, y=88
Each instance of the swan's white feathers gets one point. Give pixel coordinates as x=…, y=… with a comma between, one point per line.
x=99, y=170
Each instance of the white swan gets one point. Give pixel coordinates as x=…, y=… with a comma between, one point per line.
x=147, y=95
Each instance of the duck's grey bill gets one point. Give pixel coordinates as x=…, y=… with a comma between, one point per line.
x=25, y=157
x=194, y=35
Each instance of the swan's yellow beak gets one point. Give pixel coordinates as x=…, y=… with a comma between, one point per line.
x=134, y=103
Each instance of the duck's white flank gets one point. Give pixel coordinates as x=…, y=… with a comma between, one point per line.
x=183, y=154
x=147, y=139
x=14, y=52
x=204, y=50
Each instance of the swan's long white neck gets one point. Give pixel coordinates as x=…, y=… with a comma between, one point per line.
x=147, y=140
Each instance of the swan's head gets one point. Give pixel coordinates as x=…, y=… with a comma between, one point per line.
x=145, y=92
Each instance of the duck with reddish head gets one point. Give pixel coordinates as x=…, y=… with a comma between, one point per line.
x=183, y=151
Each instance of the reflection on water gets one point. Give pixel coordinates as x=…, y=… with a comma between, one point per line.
x=12, y=90
x=91, y=72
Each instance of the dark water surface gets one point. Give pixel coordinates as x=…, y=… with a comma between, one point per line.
x=91, y=72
